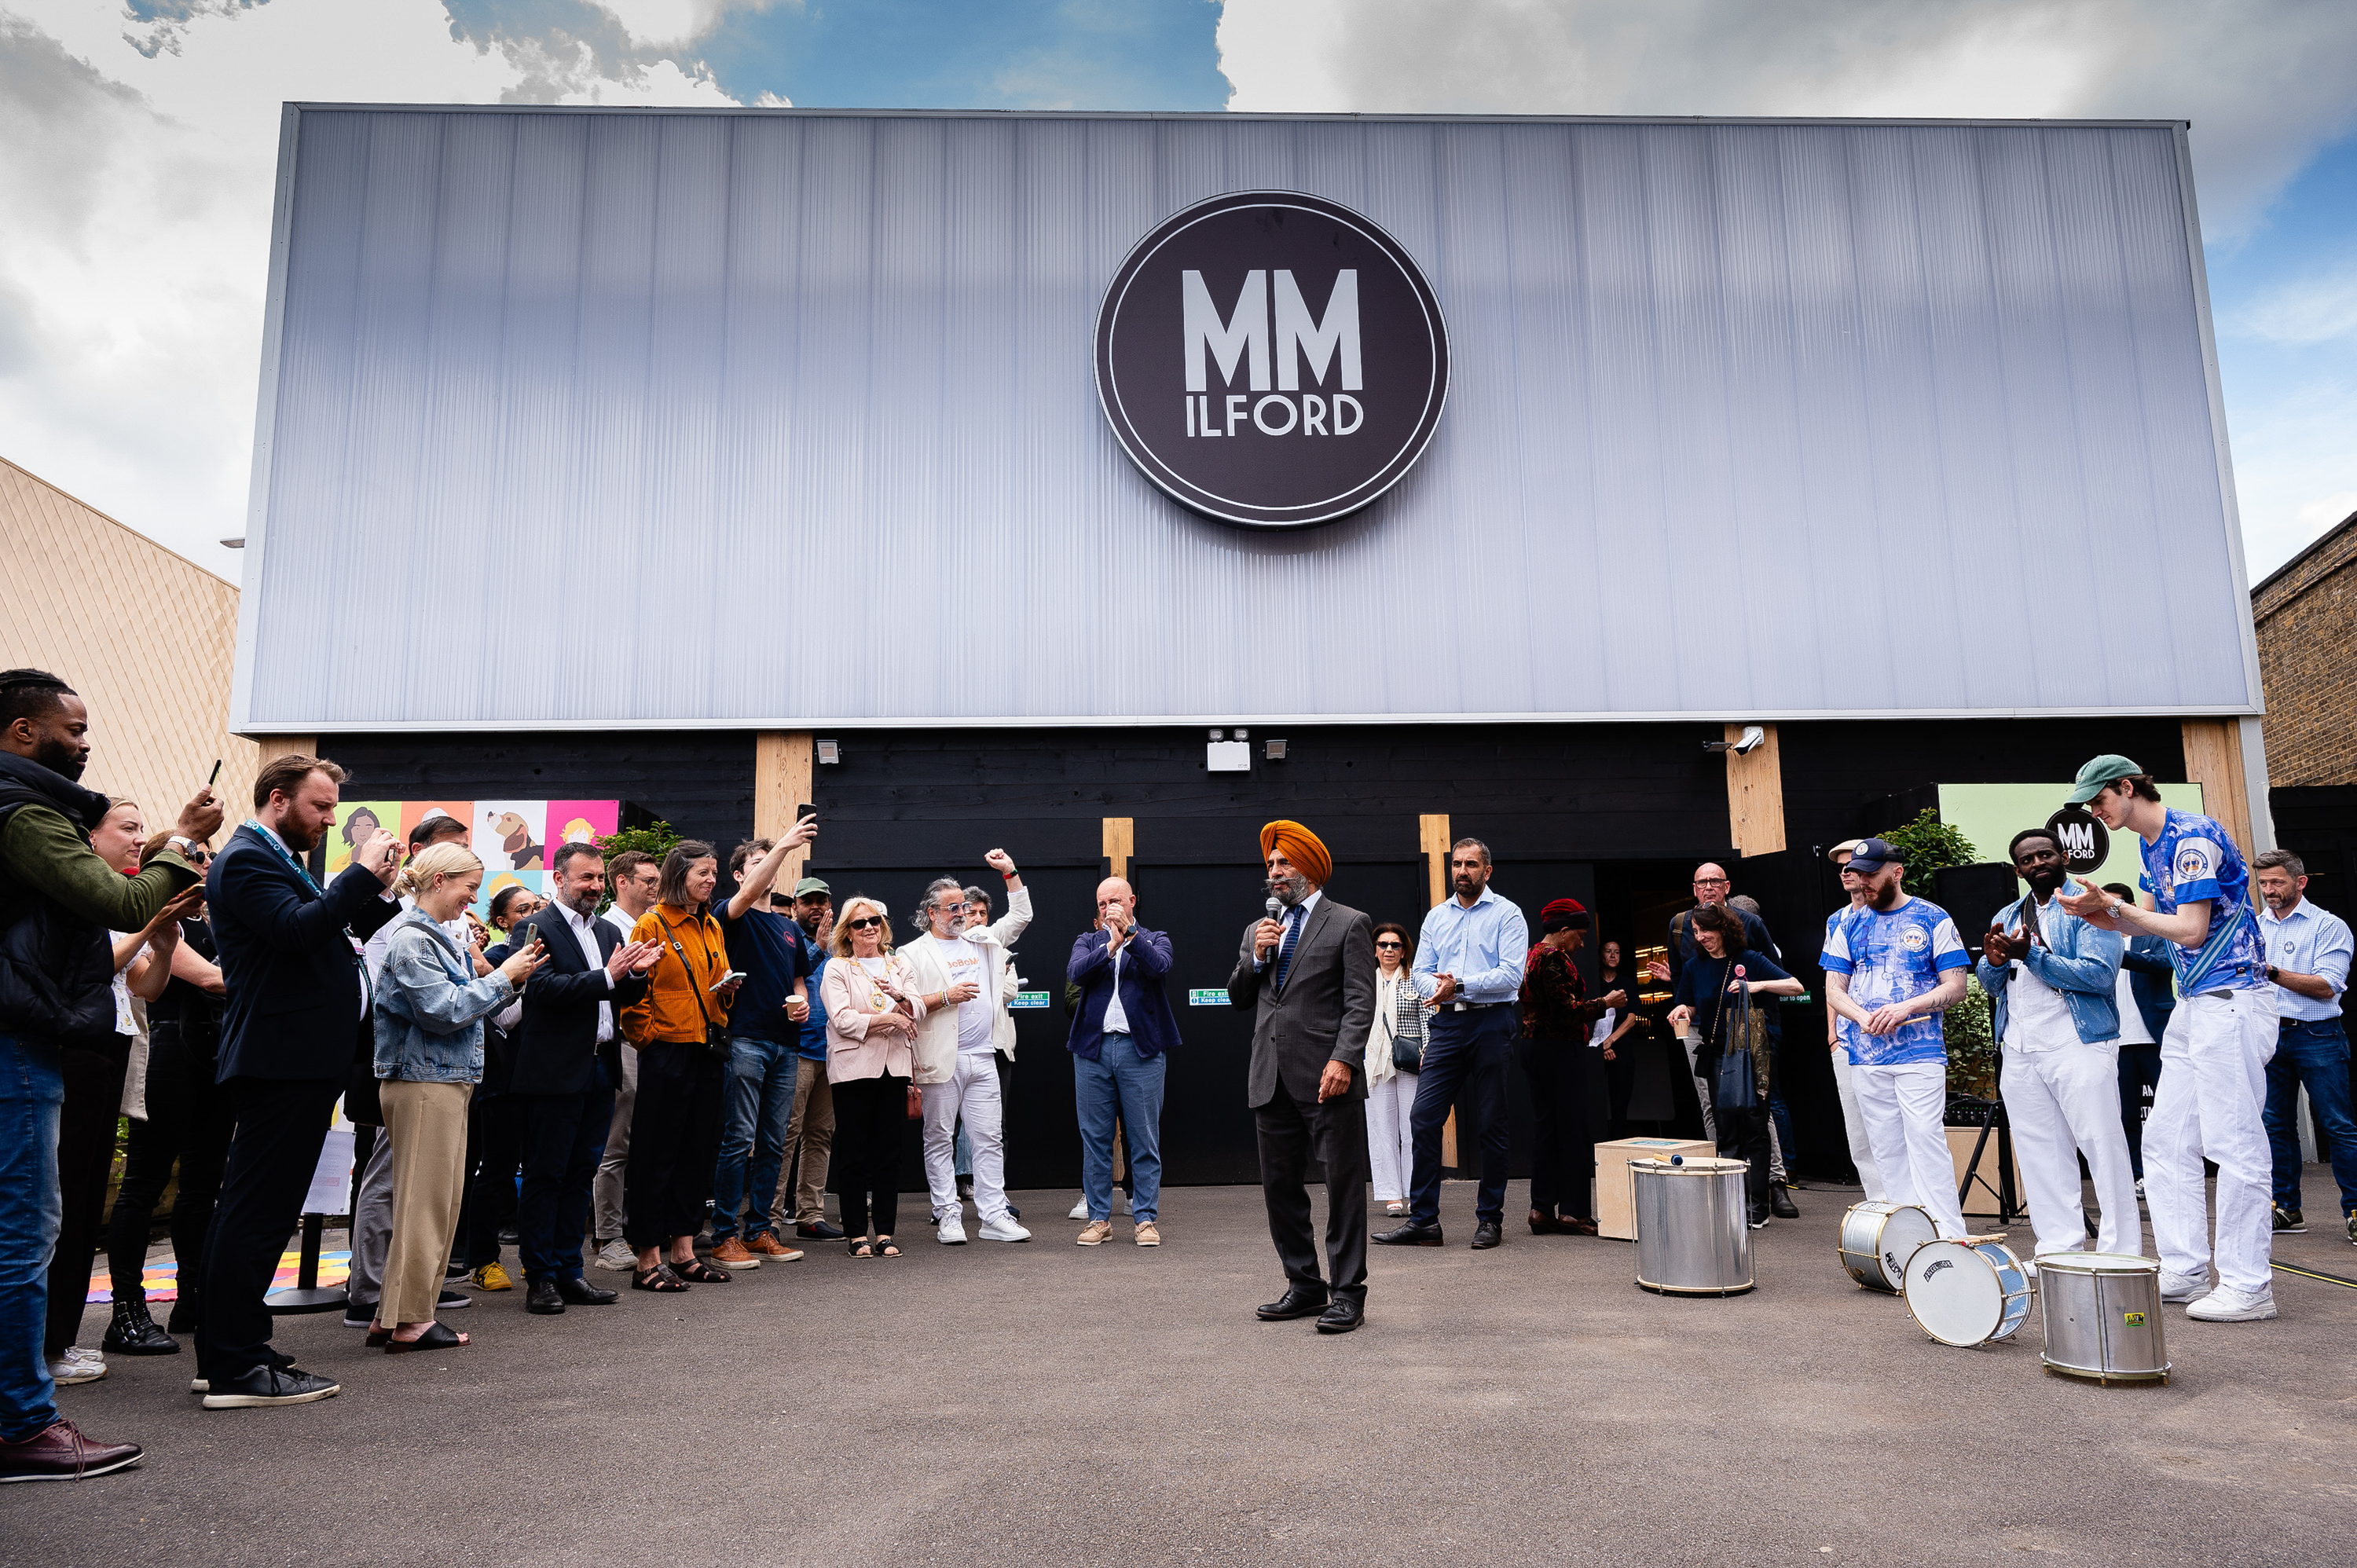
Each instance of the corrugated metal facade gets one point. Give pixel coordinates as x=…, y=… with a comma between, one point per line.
x=625, y=418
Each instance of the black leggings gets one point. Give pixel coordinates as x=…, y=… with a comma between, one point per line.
x=187, y=1125
x=93, y=1077
x=674, y=1141
x=871, y=1118
x=1563, y=1159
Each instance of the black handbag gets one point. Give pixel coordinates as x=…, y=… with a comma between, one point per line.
x=1407, y=1055
x=715, y=1039
x=1734, y=1088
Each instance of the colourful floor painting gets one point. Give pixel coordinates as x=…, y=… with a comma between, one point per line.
x=162, y=1278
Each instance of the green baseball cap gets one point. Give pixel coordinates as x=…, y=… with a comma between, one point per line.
x=808, y=886
x=2108, y=769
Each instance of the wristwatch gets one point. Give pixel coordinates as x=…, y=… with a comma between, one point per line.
x=2112, y=911
x=2271, y=975
x=181, y=841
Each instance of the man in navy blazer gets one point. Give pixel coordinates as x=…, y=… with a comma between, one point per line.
x=290, y=958
x=565, y=1068
x=1122, y=1032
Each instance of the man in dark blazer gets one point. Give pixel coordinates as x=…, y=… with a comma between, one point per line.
x=1311, y=972
x=1122, y=1032
x=290, y=958
x=564, y=1070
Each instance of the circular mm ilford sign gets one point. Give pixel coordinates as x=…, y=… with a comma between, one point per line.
x=1272, y=359
x=2086, y=842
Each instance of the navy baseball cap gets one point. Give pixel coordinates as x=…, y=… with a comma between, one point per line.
x=1871, y=856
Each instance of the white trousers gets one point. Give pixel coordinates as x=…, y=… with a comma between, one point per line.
x=1861, y=1153
x=1905, y=1108
x=1391, y=1148
x=971, y=1092
x=2063, y=1103
x=2213, y=1083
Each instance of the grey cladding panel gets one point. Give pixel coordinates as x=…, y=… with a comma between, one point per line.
x=648, y=419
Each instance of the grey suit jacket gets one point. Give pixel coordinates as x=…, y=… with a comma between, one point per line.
x=1325, y=1012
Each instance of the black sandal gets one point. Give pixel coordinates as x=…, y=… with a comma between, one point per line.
x=884, y=1248
x=658, y=1278
x=860, y=1248
x=436, y=1338
x=696, y=1272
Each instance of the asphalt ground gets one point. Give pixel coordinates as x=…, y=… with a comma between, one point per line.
x=1046, y=1403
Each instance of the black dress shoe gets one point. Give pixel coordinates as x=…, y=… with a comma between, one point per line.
x=581, y=1292
x=1298, y=1301
x=267, y=1385
x=134, y=1333
x=1779, y=1203
x=452, y=1300
x=1486, y=1234
x=1342, y=1315
x=543, y=1298
x=184, y=1318
x=818, y=1231
x=1410, y=1235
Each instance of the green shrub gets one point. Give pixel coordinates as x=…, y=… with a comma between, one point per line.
x=1925, y=846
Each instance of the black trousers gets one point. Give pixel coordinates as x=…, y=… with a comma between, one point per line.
x=1336, y=1131
x=674, y=1141
x=2139, y=1067
x=1563, y=1156
x=1469, y=1048
x=281, y=1124
x=563, y=1137
x=871, y=1123
x=187, y=1125
x=94, y=1079
x=494, y=1150
x=1743, y=1135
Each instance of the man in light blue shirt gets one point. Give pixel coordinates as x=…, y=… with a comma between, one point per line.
x=1469, y=963
x=2305, y=950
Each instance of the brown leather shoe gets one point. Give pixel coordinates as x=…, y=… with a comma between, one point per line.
x=61, y=1453
x=1094, y=1232
x=731, y=1254
x=768, y=1246
x=1147, y=1235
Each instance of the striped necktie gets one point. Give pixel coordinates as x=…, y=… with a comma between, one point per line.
x=1284, y=951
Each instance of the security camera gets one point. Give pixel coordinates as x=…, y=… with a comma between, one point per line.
x=1753, y=738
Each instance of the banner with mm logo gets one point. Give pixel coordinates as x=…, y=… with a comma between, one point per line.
x=1990, y=815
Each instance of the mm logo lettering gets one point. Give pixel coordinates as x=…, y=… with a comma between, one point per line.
x=2086, y=842
x=1272, y=359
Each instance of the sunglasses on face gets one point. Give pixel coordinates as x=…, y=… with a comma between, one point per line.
x=1382, y=945
x=867, y=923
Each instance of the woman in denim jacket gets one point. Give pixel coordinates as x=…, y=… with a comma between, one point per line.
x=428, y=1014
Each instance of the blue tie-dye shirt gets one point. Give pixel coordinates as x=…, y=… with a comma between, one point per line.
x=2193, y=859
x=1893, y=957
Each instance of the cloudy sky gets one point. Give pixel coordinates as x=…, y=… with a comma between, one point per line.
x=138, y=143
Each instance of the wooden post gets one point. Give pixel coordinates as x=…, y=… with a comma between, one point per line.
x=781, y=780
x=1755, y=795
x=2213, y=759
x=1432, y=836
x=274, y=746
x=1120, y=843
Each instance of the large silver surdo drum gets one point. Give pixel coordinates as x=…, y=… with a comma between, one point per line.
x=2102, y=1317
x=1692, y=1238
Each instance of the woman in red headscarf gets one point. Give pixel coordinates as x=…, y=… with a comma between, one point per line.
x=1557, y=1017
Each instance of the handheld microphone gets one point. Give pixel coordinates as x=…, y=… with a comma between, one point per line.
x=1276, y=906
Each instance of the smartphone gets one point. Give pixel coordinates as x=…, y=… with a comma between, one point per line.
x=803, y=811
x=732, y=974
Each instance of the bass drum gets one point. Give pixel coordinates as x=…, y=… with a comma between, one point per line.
x=1877, y=1239
x=1968, y=1293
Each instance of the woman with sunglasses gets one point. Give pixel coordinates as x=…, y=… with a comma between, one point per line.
x=1395, y=1043
x=872, y=1011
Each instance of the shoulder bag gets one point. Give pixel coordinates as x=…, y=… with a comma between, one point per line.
x=1407, y=1051
x=715, y=1039
x=1734, y=1088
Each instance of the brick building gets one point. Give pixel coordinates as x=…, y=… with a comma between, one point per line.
x=2305, y=617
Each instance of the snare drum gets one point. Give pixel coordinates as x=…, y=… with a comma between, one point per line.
x=1967, y=1293
x=1877, y=1239
x=2102, y=1312
x=1692, y=1235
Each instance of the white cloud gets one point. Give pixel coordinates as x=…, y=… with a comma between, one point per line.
x=2263, y=81
x=137, y=165
x=2294, y=465
x=655, y=24
x=2303, y=311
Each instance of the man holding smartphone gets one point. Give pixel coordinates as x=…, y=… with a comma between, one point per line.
x=765, y=1052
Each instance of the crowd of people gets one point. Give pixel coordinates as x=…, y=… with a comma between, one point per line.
x=657, y=1070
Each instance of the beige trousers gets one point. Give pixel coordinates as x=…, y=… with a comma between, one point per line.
x=427, y=1124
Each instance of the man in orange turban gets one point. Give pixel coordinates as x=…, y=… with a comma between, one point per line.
x=1301, y=846
x=1309, y=978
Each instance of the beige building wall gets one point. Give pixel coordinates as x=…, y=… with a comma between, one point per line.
x=145, y=636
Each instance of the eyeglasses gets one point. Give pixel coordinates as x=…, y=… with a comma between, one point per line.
x=1711, y=882
x=866, y=923
x=1379, y=946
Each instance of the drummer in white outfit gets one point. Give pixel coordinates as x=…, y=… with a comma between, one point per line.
x=2054, y=979
x=1861, y=1151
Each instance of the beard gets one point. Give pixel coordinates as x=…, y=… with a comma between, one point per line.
x=59, y=757
x=1886, y=896
x=1289, y=890
x=2044, y=881
x=297, y=836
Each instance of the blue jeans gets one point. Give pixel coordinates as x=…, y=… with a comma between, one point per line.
x=1119, y=1078
x=759, y=1105
x=32, y=1093
x=2315, y=1053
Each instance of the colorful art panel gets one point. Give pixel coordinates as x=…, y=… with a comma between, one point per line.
x=355, y=820
x=511, y=835
x=415, y=811
x=581, y=822
x=494, y=878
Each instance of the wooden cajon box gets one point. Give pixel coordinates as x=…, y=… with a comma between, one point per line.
x=1616, y=1204
x=1982, y=1198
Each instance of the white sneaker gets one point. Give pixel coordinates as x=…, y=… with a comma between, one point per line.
x=2182, y=1287
x=617, y=1255
x=1080, y=1210
x=952, y=1233
x=2227, y=1305
x=76, y=1365
x=1004, y=1228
